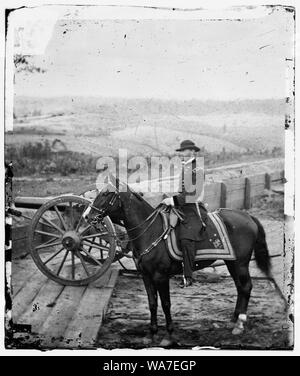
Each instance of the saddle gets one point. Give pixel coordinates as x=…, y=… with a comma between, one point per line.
x=214, y=245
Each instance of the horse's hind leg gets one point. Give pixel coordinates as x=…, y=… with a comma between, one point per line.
x=242, y=279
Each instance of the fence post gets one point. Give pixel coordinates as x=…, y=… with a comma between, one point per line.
x=247, y=197
x=223, y=196
x=267, y=181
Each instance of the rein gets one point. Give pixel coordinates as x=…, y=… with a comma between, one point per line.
x=154, y=214
x=98, y=218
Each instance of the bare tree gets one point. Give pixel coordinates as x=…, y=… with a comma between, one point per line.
x=22, y=63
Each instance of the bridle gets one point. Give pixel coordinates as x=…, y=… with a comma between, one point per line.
x=102, y=211
x=152, y=217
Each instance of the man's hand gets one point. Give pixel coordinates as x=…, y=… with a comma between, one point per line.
x=168, y=201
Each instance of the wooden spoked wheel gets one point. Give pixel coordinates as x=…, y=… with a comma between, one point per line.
x=65, y=247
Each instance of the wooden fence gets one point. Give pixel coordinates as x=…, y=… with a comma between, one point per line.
x=238, y=193
x=234, y=193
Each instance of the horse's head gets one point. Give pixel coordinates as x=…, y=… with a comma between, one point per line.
x=117, y=201
x=107, y=203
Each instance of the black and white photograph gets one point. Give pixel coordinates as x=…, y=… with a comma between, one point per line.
x=149, y=177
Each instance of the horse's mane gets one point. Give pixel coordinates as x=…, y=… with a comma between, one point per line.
x=139, y=196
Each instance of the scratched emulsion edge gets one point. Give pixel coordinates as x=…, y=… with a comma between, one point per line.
x=289, y=186
x=9, y=72
x=8, y=262
x=10, y=340
x=8, y=223
x=8, y=125
x=289, y=218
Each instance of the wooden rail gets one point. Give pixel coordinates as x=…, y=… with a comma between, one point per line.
x=234, y=193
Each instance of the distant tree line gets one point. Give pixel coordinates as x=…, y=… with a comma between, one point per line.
x=45, y=158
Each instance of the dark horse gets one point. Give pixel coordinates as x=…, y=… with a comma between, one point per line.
x=145, y=229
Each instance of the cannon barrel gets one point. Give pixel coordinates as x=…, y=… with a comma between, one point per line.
x=35, y=202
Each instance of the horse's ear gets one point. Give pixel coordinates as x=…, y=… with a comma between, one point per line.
x=112, y=180
x=116, y=183
x=119, y=184
x=123, y=187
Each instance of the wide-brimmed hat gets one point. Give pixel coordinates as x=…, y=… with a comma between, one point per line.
x=188, y=144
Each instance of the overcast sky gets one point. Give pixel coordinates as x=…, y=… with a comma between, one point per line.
x=180, y=59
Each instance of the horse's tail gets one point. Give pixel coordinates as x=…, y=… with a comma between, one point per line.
x=261, y=251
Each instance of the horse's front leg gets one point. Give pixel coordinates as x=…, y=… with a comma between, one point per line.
x=152, y=300
x=163, y=286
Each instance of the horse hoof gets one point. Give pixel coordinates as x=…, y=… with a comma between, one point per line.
x=237, y=331
x=166, y=342
x=239, y=326
x=147, y=341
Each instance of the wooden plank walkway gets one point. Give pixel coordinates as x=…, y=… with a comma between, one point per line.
x=59, y=316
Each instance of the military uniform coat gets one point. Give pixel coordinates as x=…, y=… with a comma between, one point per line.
x=188, y=199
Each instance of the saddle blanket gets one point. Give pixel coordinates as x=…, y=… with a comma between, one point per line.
x=214, y=246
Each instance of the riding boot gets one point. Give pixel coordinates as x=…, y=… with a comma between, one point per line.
x=188, y=251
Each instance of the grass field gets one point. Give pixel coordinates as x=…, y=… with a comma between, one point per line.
x=101, y=125
x=66, y=135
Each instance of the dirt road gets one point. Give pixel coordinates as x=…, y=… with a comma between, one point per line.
x=202, y=316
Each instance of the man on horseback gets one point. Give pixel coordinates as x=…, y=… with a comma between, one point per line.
x=189, y=202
